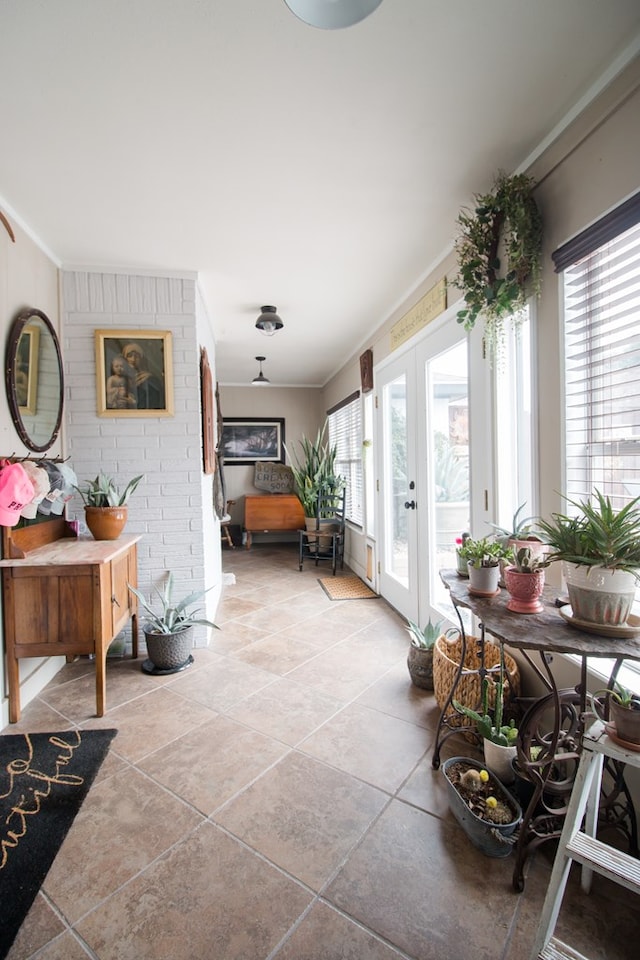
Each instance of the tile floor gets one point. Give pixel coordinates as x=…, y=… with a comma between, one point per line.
x=277, y=800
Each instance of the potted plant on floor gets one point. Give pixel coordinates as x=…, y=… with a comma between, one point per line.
x=623, y=711
x=482, y=805
x=420, y=657
x=169, y=627
x=599, y=548
x=483, y=563
x=315, y=477
x=105, y=507
x=498, y=738
x=524, y=580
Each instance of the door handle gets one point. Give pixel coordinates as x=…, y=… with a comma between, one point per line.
x=409, y=504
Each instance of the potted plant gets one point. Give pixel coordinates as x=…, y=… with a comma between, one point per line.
x=524, y=580
x=105, y=507
x=498, y=738
x=483, y=807
x=599, y=548
x=624, y=711
x=498, y=250
x=169, y=627
x=420, y=656
x=314, y=475
x=461, y=561
x=483, y=563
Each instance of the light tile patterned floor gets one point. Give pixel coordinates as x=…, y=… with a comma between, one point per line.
x=277, y=802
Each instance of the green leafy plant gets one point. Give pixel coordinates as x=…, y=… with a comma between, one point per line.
x=622, y=696
x=165, y=615
x=504, y=225
x=524, y=561
x=425, y=639
x=521, y=529
x=314, y=471
x=598, y=535
x=486, y=552
x=103, y=492
x=492, y=727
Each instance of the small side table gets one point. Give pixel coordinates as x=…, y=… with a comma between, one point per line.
x=544, y=634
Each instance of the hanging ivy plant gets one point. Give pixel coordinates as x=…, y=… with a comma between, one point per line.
x=498, y=250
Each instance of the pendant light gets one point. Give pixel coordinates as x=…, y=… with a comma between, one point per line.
x=332, y=14
x=260, y=379
x=269, y=321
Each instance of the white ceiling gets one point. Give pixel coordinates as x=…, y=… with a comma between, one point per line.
x=319, y=171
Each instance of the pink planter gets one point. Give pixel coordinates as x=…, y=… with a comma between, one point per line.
x=525, y=590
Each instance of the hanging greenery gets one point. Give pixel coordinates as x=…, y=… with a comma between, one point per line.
x=498, y=251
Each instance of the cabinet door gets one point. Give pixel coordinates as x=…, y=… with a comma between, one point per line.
x=122, y=574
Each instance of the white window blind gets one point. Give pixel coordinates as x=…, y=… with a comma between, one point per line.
x=345, y=431
x=602, y=369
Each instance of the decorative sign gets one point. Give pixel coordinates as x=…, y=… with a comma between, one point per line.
x=427, y=309
x=273, y=477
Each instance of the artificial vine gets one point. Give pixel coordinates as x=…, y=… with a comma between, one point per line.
x=505, y=225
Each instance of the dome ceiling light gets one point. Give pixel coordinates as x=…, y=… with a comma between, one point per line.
x=260, y=379
x=269, y=321
x=332, y=14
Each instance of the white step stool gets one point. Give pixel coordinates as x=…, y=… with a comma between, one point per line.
x=582, y=845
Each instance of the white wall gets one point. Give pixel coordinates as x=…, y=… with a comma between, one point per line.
x=28, y=278
x=172, y=508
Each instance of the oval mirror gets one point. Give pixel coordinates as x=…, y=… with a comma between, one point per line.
x=34, y=379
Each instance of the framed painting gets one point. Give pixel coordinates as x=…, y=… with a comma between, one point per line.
x=247, y=440
x=26, y=370
x=134, y=373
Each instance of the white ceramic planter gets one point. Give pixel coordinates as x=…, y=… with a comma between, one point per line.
x=599, y=595
x=483, y=581
x=499, y=760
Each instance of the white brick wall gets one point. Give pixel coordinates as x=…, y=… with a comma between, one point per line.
x=169, y=508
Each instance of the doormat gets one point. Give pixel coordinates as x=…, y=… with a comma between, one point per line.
x=44, y=778
x=347, y=588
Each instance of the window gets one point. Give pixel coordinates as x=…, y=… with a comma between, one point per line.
x=602, y=364
x=345, y=431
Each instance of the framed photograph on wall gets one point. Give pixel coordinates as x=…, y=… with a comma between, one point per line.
x=26, y=369
x=247, y=440
x=134, y=373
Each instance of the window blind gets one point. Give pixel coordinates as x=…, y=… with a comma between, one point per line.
x=345, y=432
x=602, y=370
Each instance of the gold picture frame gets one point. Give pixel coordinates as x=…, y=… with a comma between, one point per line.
x=134, y=373
x=26, y=370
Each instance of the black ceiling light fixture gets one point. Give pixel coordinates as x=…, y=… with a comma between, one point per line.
x=269, y=321
x=332, y=14
x=260, y=379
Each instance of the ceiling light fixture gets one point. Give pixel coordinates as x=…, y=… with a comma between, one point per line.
x=332, y=14
x=269, y=321
x=260, y=379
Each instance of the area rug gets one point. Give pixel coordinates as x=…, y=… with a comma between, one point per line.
x=44, y=778
x=346, y=588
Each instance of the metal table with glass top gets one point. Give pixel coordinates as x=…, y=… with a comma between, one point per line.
x=551, y=726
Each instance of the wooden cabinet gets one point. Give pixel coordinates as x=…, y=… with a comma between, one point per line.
x=68, y=597
x=272, y=513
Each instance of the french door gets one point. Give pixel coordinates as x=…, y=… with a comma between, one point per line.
x=423, y=469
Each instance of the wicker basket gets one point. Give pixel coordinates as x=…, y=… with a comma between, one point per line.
x=446, y=658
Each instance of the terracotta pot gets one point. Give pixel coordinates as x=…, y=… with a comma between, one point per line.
x=525, y=590
x=105, y=523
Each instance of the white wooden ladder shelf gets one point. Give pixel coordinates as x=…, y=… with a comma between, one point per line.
x=582, y=846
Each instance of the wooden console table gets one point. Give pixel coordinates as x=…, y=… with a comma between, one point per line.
x=546, y=634
x=272, y=513
x=65, y=597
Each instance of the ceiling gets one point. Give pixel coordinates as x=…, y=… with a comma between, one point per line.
x=320, y=171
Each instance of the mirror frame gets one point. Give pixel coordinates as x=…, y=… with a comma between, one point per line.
x=23, y=318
